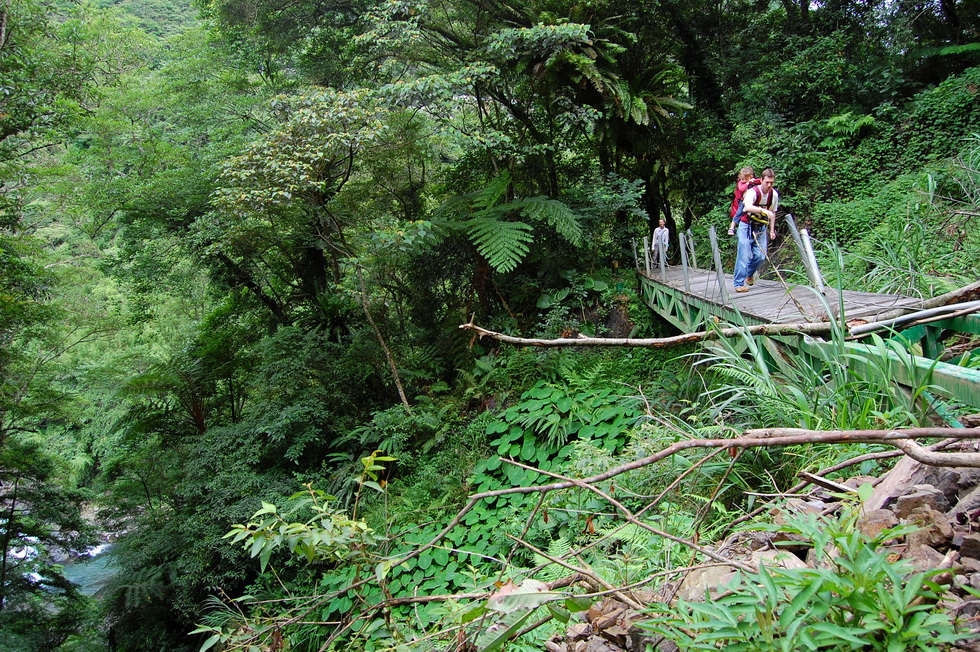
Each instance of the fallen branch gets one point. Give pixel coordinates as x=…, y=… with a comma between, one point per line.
x=930, y=458
x=585, y=484
x=597, y=581
x=969, y=292
x=901, y=439
x=821, y=328
x=829, y=485
x=762, y=438
x=902, y=319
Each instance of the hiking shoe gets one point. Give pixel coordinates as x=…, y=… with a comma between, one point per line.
x=741, y=289
x=750, y=280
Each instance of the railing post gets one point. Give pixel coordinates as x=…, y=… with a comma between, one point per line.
x=682, y=241
x=932, y=346
x=663, y=262
x=694, y=258
x=808, y=246
x=717, y=256
x=811, y=271
x=646, y=254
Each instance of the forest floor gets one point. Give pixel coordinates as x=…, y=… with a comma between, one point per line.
x=934, y=510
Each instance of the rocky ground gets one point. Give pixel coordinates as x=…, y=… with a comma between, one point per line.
x=942, y=503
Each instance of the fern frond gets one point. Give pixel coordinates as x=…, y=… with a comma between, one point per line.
x=457, y=206
x=554, y=213
x=551, y=571
x=741, y=376
x=489, y=196
x=639, y=112
x=559, y=547
x=478, y=202
x=503, y=244
x=629, y=533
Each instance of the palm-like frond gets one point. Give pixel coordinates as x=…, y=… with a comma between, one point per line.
x=552, y=212
x=503, y=244
x=499, y=238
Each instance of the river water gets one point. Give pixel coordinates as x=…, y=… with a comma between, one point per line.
x=93, y=572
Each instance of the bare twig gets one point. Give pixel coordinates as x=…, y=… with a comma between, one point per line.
x=703, y=512
x=598, y=581
x=765, y=438
x=635, y=521
x=825, y=483
x=389, y=356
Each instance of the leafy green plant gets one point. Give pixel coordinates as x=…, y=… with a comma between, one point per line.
x=827, y=387
x=328, y=534
x=855, y=598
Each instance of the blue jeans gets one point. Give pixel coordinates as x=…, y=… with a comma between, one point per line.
x=753, y=242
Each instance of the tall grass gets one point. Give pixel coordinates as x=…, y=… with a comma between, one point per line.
x=816, y=389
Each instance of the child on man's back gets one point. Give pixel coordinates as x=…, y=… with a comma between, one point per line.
x=746, y=179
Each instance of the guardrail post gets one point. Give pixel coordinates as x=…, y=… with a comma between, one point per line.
x=809, y=262
x=718, y=270
x=646, y=254
x=682, y=241
x=694, y=257
x=817, y=277
x=663, y=263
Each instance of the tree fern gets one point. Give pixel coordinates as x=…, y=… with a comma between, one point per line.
x=554, y=213
x=633, y=107
x=143, y=585
x=503, y=244
x=490, y=225
x=476, y=203
x=488, y=197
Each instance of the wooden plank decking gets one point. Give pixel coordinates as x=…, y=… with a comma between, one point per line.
x=783, y=303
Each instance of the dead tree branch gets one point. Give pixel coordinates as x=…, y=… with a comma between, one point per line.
x=969, y=292
x=901, y=439
x=628, y=515
x=821, y=328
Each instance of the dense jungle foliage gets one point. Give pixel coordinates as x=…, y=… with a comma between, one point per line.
x=237, y=240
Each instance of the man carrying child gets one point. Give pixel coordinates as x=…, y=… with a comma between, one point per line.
x=756, y=224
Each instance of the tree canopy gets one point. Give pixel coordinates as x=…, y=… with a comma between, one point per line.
x=237, y=240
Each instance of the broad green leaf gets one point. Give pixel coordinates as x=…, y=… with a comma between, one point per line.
x=515, y=601
x=373, y=485
x=493, y=639
x=561, y=615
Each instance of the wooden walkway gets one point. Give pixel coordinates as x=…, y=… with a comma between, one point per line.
x=772, y=301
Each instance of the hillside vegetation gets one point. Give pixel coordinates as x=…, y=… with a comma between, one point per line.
x=238, y=239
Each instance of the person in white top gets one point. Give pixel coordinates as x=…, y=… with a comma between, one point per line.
x=757, y=225
x=661, y=241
